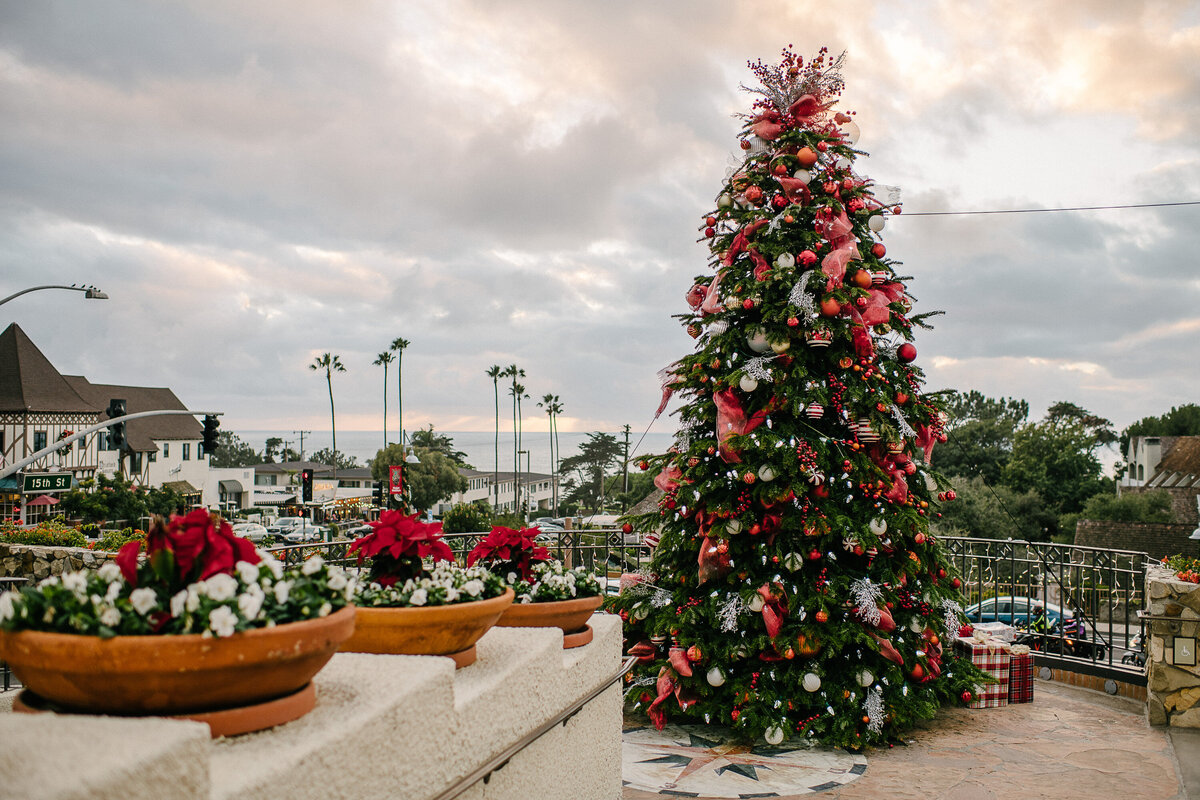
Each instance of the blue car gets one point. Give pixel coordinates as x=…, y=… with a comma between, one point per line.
x=1017, y=611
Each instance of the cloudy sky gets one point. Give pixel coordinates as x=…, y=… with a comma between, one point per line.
x=257, y=183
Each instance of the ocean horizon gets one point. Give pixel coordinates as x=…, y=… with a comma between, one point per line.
x=478, y=445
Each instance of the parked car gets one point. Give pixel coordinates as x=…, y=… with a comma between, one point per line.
x=305, y=533
x=285, y=524
x=250, y=530
x=1017, y=611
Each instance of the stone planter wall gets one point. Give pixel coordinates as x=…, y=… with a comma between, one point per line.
x=1173, y=691
x=35, y=562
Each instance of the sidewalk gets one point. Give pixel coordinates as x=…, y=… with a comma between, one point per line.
x=1069, y=743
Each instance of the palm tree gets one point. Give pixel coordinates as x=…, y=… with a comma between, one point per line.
x=383, y=359
x=494, y=373
x=553, y=405
x=518, y=392
x=514, y=372
x=398, y=345
x=331, y=364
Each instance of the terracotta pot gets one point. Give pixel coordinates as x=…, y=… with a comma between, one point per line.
x=431, y=631
x=570, y=615
x=161, y=675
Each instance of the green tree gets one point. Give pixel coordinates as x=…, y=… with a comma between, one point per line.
x=985, y=511
x=116, y=499
x=331, y=364
x=383, y=359
x=980, y=431
x=423, y=439
x=1129, y=507
x=1057, y=458
x=468, y=518
x=425, y=484
x=326, y=456
x=495, y=372
x=514, y=372
x=271, y=449
x=553, y=405
x=233, y=452
x=596, y=455
x=399, y=344
x=1179, y=421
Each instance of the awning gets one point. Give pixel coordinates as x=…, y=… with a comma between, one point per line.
x=232, y=487
x=42, y=500
x=183, y=487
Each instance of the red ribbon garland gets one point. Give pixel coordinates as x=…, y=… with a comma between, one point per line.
x=774, y=610
x=732, y=420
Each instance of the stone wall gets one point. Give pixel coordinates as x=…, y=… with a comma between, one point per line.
x=1156, y=539
x=1174, y=612
x=1183, y=502
x=36, y=562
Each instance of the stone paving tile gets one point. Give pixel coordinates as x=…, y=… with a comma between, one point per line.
x=1068, y=744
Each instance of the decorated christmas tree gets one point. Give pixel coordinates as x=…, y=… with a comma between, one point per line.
x=795, y=589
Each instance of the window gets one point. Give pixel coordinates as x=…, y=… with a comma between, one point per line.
x=39, y=440
x=166, y=449
x=187, y=451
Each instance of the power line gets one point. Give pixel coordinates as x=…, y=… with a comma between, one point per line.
x=1043, y=210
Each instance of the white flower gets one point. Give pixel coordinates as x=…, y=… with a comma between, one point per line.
x=473, y=587
x=221, y=587
x=75, y=582
x=312, y=565
x=250, y=604
x=419, y=597
x=281, y=591
x=324, y=610
x=6, y=606
x=511, y=578
x=110, y=617
x=247, y=572
x=451, y=594
x=178, y=603
x=114, y=589
x=109, y=571
x=351, y=588
x=193, y=596
x=53, y=580
x=222, y=621
x=337, y=579
x=143, y=600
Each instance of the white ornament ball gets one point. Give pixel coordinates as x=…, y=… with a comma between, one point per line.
x=865, y=678
x=765, y=473
x=878, y=526
x=811, y=682
x=641, y=611
x=774, y=734
x=843, y=163
x=793, y=561
x=781, y=347
x=733, y=526
x=876, y=222
x=756, y=603
x=715, y=677
x=725, y=200
x=802, y=174
x=850, y=132
x=916, y=626
x=785, y=261
x=747, y=384
x=758, y=342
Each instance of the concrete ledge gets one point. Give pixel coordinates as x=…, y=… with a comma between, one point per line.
x=45, y=757
x=383, y=727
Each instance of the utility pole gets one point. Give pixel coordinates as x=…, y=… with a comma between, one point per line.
x=625, y=468
x=301, y=442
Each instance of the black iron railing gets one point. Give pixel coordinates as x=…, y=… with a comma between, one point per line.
x=1088, y=598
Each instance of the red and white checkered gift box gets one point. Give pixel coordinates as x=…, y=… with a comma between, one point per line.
x=992, y=657
x=1020, y=675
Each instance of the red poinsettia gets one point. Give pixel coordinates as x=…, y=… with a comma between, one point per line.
x=506, y=550
x=192, y=547
x=396, y=545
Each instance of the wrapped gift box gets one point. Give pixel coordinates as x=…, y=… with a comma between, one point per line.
x=1020, y=675
x=997, y=630
x=992, y=657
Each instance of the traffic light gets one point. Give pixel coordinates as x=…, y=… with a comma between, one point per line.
x=211, y=423
x=116, y=433
x=380, y=495
x=306, y=480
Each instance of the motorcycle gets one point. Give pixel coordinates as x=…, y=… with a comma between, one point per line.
x=1068, y=640
x=1137, y=652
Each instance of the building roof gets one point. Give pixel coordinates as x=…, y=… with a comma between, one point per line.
x=1179, y=466
x=503, y=476
x=30, y=383
x=142, y=434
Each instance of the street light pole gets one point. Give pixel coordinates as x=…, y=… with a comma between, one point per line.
x=524, y=510
x=90, y=292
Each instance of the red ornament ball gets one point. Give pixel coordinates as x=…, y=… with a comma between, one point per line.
x=822, y=146
x=906, y=352
x=748, y=477
x=627, y=528
x=780, y=169
x=779, y=201
x=831, y=308
x=693, y=653
x=814, y=554
x=747, y=304
x=754, y=195
x=710, y=221
x=808, y=258
x=644, y=465
x=950, y=495
x=744, y=144
x=878, y=250
x=967, y=696
x=822, y=616
x=710, y=232
x=792, y=322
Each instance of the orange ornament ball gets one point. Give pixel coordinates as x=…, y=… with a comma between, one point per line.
x=830, y=307
x=862, y=279
x=807, y=157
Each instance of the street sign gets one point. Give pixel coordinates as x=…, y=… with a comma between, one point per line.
x=46, y=482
